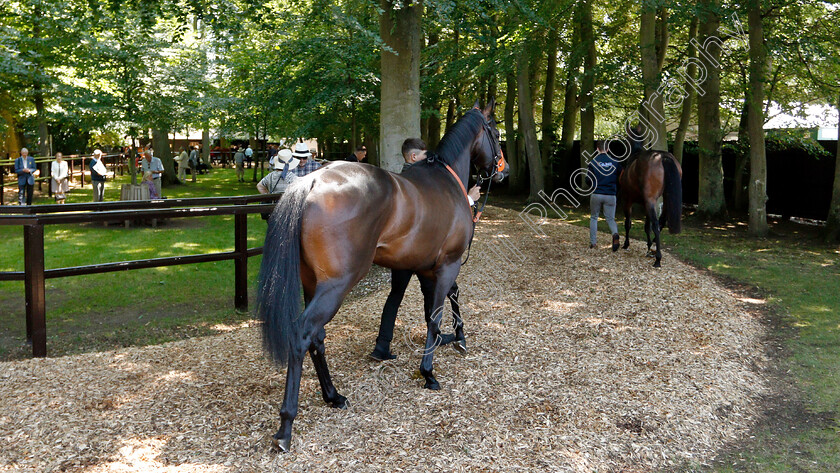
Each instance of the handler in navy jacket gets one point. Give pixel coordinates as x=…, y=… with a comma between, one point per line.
x=603, y=175
x=26, y=171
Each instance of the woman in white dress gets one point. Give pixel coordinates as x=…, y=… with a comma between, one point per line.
x=59, y=183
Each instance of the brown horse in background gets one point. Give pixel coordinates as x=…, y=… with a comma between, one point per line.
x=647, y=176
x=332, y=224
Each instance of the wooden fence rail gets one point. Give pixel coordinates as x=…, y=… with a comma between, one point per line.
x=34, y=218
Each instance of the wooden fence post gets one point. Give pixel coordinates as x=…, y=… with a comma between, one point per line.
x=240, y=297
x=33, y=255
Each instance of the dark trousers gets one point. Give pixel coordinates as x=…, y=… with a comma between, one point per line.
x=25, y=190
x=399, y=283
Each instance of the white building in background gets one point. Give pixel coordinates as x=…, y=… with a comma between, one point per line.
x=820, y=118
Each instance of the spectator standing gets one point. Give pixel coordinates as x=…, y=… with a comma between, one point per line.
x=306, y=165
x=272, y=153
x=155, y=166
x=97, y=176
x=603, y=172
x=239, y=158
x=182, y=165
x=59, y=184
x=282, y=175
x=193, y=162
x=359, y=155
x=26, y=171
x=249, y=155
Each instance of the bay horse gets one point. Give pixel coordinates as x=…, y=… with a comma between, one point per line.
x=647, y=176
x=329, y=227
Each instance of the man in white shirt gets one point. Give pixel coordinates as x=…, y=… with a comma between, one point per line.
x=249, y=155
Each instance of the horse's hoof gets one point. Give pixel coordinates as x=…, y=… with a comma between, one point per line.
x=460, y=346
x=432, y=384
x=340, y=402
x=656, y=264
x=283, y=445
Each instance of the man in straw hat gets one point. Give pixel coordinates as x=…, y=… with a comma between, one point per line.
x=282, y=175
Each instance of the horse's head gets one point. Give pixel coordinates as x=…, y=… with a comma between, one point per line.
x=486, y=153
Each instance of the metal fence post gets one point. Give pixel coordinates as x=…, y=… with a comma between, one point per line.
x=33, y=255
x=240, y=297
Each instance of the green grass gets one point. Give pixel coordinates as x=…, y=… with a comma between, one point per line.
x=796, y=281
x=138, y=307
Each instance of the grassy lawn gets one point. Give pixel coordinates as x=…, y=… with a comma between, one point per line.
x=793, y=277
x=139, y=307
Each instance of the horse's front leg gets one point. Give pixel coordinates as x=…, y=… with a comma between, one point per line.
x=435, y=294
x=460, y=342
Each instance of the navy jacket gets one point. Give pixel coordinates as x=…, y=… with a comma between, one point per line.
x=604, y=170
x=95, y=176
x=25, y=178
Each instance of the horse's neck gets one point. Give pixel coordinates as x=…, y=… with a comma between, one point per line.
x=461, y=166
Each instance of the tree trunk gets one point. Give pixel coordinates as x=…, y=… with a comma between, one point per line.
x=528, y=125
x=570, y=99
x=205, y=144
x=587, y=85
x=653, y=104
x=758, y=159
x=450, y=114
x=400, y=98
x=688, y=100
x=739, y=196
x=516, y=170
x=833, y=220
x=434, y=129
x=547, y=110
x=160, y=142
x=711, y=201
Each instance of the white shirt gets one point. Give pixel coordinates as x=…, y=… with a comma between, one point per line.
x=249, y=152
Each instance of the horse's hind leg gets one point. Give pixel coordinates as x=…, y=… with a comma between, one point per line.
x=328, y=391
x=648, y=222
x=654, y=223
x=320, y=309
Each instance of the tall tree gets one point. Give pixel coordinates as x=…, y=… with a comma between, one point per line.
x=570, y=96
x=527, y=124
x=711, y=201
x=400, y=97
x=653, y=41
x=587, y=86
x=547, y=127
x=690, y=93
x=758, y=158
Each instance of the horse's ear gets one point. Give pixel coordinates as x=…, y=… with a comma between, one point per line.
x=491, y=105
x=477, y=105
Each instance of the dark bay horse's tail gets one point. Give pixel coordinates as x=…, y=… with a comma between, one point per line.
x=278, y=297
x=672, y=194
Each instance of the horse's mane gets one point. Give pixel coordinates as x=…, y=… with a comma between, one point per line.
x=461, y=133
